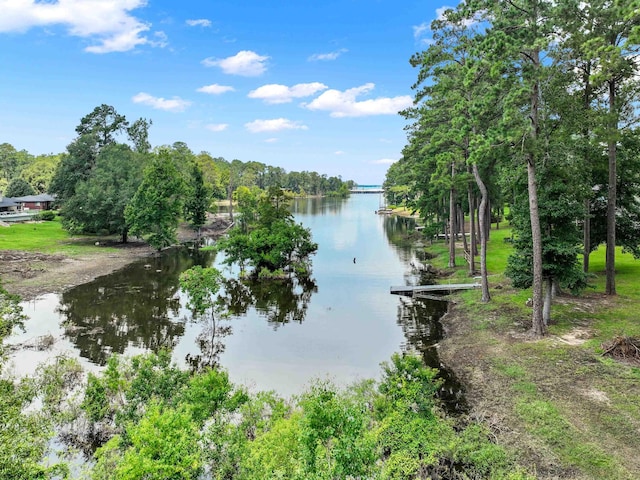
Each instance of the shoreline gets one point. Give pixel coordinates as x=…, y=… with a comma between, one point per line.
x=33, y=274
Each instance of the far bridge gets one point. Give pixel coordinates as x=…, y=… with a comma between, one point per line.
x=366, y=190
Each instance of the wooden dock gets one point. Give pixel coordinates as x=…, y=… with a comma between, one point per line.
x=416, y=290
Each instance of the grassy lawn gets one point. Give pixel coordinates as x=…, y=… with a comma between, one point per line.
x=578, y=410
x=44, y=237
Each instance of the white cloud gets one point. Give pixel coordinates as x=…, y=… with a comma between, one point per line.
x=327, y=56
x=175, y=104
x=271, y=140
x=422, y=32
x=273, y=125
x=215, y=89
x=338, y=152
x=274, y=93
x=384, y=161
x=344, y=104
x=245, y=63
x=200, y=22
x=419, y=30
x=217, y=127
x=109, y=24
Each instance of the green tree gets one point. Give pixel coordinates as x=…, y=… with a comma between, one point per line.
x=76, y=166
x=98, y=205
x=518, y=37
x=560, y=210
x=198, y=198
x=12, y=162
x=138, y=134
x=103, y=122
x=274, y=242
x=162, y=445
x=614, y=48
x=19, y=188
x=40, y=171
x=155, y=208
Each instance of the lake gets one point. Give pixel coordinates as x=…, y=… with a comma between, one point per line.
x=284, y=336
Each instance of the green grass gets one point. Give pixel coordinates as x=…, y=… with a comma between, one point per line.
x=45, y=237
x=546, y=382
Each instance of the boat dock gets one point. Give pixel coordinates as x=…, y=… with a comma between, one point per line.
x=423, y=290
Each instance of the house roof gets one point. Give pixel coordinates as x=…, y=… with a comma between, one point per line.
x=43, y=197
x=7, y=202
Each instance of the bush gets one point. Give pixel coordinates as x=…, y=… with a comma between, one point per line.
x=47, y=215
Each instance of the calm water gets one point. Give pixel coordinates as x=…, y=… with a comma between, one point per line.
x=340, y=326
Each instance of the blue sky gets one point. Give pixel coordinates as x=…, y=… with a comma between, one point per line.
x=305, y=85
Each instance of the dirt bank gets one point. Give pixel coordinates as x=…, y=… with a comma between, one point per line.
x=31, y=274
x=565, y=412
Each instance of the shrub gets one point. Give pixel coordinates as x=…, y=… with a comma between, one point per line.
x=47, y=215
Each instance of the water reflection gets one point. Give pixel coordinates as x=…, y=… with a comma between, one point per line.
x=278, y=301
x=342, y=324
x=210, y=342
x=420, y=323
x=317, y=206
x=135, y=306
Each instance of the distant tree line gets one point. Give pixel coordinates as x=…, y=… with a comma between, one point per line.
x=111, y=181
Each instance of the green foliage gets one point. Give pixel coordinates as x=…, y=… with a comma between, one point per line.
x=407, y=385
x=30, y=410
x=559, y=212
x=39, y=172
x=209, y=392
x=47, y=215
x=24, y=437
x=155, y=208
x=11, y=316
x=19, y=188
x=269, y=239
x=200, y=285
x=102, y=123
x=163, y=445
x=74, y=167
x=178, y=425
x=98, y=204
x=198, y=198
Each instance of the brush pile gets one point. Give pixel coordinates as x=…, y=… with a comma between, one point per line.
x=623, y=348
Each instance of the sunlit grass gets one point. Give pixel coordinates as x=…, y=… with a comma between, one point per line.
x=45, y=237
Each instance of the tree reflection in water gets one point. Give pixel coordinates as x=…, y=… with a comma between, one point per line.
x=280, y=301
x=136, y=306
x=420, y=323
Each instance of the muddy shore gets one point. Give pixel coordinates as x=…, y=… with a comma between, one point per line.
x=32, y=274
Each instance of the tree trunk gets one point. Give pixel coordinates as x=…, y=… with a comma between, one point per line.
x=487, y=222
x=611, y=197
x=548, y=297
x=452, y=220
x=465, y=245
x=537, y=327
x=486, y=297
x=472, y=225
x=230, y=198
x=125, y=235
x=586, y=240
x=479, y=225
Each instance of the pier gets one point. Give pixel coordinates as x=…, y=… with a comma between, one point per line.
x=424, y=290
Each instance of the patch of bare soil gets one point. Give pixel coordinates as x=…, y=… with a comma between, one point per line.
x=32, y=274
